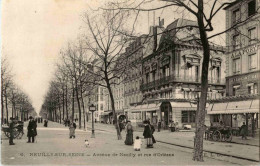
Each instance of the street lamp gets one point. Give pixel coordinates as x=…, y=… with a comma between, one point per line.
x=92, y=109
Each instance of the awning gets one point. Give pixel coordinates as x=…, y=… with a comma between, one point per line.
x=106, y=113
x=235, y=107
x=183, y=106
x=153, y=107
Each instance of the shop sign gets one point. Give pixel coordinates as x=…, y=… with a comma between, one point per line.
x=248, y=50
x=246, y=77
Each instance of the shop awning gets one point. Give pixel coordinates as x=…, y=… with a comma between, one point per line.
x=183, y=106
x=235, y=107
x=153, y=107
x=106, y=113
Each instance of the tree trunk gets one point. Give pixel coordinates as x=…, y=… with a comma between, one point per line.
x=119, y=137
x=78, y=101
x=6, y=106
x=200, y=119
x=59, y=108
x=63, y=103
x=66, y=103
x=2, y=107
x=83, y=107
x=73, y=95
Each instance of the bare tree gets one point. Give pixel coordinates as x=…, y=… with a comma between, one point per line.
x=106, y=44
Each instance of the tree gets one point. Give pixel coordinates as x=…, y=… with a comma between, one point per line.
x=106, y=43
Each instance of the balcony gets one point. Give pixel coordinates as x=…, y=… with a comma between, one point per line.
x=172, y=78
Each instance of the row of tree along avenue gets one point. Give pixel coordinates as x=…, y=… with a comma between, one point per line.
x=98, y=58
x=14, y=102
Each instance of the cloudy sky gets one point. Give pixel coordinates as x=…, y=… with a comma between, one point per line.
x=34, y=31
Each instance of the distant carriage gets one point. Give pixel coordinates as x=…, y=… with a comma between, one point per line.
x=218, y=134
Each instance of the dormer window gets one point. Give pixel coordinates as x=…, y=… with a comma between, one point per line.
x=191, y=60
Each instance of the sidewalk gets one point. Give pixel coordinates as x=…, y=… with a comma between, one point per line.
x=186, y=139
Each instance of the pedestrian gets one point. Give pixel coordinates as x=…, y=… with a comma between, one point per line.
x=72, y=128
x=31, y=130
x=129, y=140
x=11, y=129
x=152, y=129
x=45, y=123
x=41, y=119
x=137, y=144
x=121, y=126
x=148, y=134
x=243, y=131
x=159, y=125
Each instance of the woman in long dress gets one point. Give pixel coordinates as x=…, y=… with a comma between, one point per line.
x=148, y=134
x=129, y=134
x=72, y=128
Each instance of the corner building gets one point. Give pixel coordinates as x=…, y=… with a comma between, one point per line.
x=171, y=73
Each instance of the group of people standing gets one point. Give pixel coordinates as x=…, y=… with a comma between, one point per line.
x=147, y=133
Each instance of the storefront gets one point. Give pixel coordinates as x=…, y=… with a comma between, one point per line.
x=234, y=113
x=183, y=113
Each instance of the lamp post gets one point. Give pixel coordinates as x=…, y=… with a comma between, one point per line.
x=92, y=108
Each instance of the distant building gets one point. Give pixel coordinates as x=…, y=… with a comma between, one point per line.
x=242, y=73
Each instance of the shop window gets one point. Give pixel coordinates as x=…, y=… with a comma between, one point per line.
x=252, y=35
x=216, y=118
x=184, y=116
x=252, y=62
x=236, y=65
x=251, y=8
x=188, y=116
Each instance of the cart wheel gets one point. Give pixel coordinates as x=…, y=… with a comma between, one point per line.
x=7, y=134
x=228, y=137
x=216, y=136
x=16, y=132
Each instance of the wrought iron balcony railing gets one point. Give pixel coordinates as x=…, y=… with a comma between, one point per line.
x=173, y=78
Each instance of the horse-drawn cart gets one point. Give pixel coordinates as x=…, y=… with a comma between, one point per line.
x=219, y=134
x=17, y=130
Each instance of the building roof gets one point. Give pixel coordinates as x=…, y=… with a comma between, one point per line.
x=232, y=4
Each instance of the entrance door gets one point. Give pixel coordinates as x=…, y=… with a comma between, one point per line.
x=166, y=111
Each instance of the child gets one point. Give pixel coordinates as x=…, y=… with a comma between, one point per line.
x=137, y=144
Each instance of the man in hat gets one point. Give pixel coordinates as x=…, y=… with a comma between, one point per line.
x=11, y=128
x=31, y=130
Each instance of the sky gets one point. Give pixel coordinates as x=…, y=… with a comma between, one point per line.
x=33, y=32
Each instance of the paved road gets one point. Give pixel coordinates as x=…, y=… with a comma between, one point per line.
x=54, y=147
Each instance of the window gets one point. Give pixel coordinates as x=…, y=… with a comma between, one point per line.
x=188, y=116
x=184, y=116
x=252, y=62
x=235, y=89
x=252, y=35
x=252, y=89
x=101, y=107
x=251, y=8
x=216, y=118
x=236, y=16
x=236, y=65
x=235, y=42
